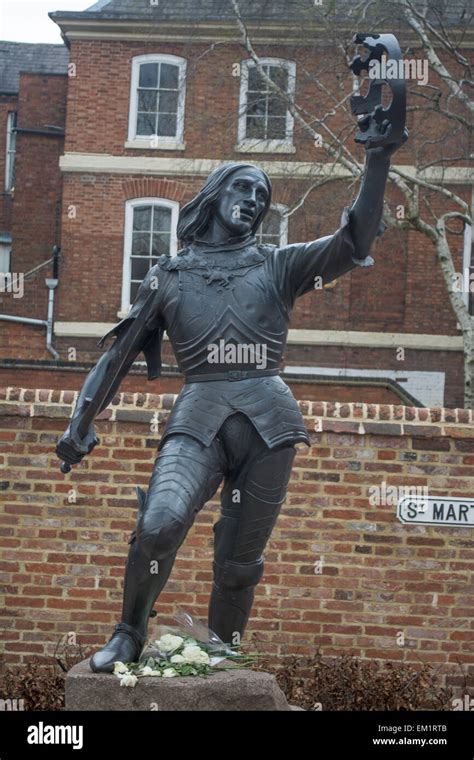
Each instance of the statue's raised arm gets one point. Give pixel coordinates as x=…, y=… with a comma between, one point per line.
x=381, y=130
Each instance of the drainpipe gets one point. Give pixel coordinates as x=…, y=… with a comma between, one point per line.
x=51, y=284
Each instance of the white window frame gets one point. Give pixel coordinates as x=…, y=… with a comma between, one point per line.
x=254, y=145
x=281, y=209
x=154, y=142
x=10, y=155
x=127, y=241
x=5, y=257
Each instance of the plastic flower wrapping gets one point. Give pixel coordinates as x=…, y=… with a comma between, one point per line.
x=190, y=649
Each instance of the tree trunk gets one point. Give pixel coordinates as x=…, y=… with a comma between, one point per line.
x=461, y=311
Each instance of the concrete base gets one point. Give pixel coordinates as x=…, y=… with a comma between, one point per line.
x=231, y=690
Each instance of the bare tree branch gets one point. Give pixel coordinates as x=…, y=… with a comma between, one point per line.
x=433, y=57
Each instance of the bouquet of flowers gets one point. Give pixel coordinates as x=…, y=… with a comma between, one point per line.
x=190, y=650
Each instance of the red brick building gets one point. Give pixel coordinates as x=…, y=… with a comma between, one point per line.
x=33, y=94
x=155, y=96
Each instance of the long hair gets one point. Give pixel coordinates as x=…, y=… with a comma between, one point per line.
x=196, y=215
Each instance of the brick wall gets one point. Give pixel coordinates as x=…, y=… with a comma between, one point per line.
x=36, y=213
x=404, y=292
x=103, y=69
x=63, y=560
x=7, y=103
x=137, y=382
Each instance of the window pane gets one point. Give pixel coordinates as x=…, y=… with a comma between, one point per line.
x=276, y=128
x=148, y=75
x=5, y=251
x=276, y=106
x=169, y=76
x=271, y=224
x=133, y=291
x=140, y=267
x=160, y=243
x=167, y=124
x=140, y=244
x=147, y=100
x=146, y=124
x=142, y=218
x=161, y=219
x=256, y=127
x=168, y=102
x=256, y=104
x=279, y=75
x=11, y=151
x=151, y=238
x=266, y=111
x=269, y=231
x=255, y=80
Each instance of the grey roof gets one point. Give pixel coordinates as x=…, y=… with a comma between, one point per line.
x=451, y=11
x=24, y=56
x=199, y=9
x=98, y=6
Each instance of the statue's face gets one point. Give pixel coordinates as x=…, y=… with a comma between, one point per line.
x=243, y=196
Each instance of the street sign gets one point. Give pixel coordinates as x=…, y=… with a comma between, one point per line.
x=436, y=510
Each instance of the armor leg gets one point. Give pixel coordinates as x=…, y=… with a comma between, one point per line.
x=185, y=476
x=241, y=535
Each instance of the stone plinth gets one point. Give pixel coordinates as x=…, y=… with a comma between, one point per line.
x=232, y=690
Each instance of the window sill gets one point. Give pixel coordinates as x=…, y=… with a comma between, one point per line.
x=122, y=314
x=265, y=146
x=163, y=143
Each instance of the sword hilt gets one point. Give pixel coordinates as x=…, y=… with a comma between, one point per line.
x=65, y=467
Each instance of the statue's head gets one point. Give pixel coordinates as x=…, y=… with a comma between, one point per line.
x=238, y=195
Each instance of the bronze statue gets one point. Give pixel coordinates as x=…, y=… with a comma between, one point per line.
x=225, y=303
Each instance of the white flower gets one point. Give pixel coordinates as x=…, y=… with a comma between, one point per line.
x=177, y=658
x=195, y=655
x=169, y=673
x=120, y=668
x=147, y=671
x=128, y=680
x=168, y=642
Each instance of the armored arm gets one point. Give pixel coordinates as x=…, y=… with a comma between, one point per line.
x=139, y=331
x=102, y=382
x=381, y=129
x=366, y=213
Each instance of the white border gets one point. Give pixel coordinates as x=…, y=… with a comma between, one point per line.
x=127, y=240
x=148, y=142
x=418, y=341
x=105, y=163
x=253, y=145
x=424, y=503
x=10, y=154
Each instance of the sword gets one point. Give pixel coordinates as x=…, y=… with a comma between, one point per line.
x=93, y=404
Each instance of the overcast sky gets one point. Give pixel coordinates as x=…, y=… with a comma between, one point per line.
x=27, y=20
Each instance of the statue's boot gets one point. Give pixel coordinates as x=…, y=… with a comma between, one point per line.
x=144, y=580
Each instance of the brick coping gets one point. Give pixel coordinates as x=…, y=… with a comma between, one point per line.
x=321, y=416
